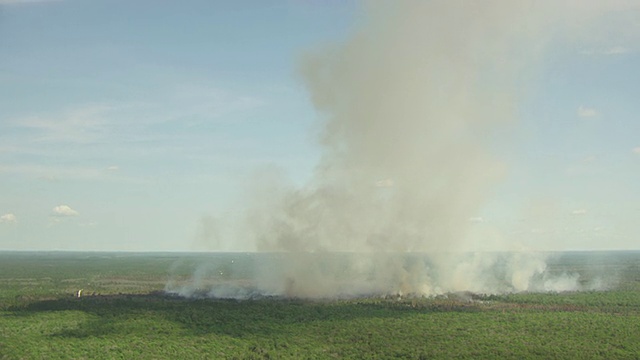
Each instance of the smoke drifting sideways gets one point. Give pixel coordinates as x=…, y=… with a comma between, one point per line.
x=409, y=107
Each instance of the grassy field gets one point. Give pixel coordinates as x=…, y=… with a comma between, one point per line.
x=124, y=314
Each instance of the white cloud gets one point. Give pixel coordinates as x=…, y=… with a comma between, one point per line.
x=579, y=212
x=476, y=219
x=386, y=183
x=113, y=168
x=587, y=112
x=63, y=211
x=8, y=218
x=636, y=150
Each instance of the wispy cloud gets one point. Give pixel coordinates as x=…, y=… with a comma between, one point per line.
x=90, y=141
x=584, y=111
x=617, y=50
x=608, y=51
x=198, y=104
x=52, y=173
x=139, y=121
x=48, y=178
x=8, y=218
x=55, y=173
x=636, y=150
x=21, y=2
x=81, y=125
x=586, y=165
x=579, y=212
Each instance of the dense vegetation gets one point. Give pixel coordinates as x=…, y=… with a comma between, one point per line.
x=124, y=314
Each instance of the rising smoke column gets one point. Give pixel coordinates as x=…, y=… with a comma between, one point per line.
x=410, y=106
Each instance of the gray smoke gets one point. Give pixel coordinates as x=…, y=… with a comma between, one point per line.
x=410, y=106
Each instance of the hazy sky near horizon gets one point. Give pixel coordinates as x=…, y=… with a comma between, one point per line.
x=124, y=123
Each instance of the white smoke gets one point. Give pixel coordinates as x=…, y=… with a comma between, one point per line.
x=410, y=105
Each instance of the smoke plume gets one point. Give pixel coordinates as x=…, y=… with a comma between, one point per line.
x=410, y=106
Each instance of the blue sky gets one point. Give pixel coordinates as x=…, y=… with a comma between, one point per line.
x=123, y=123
